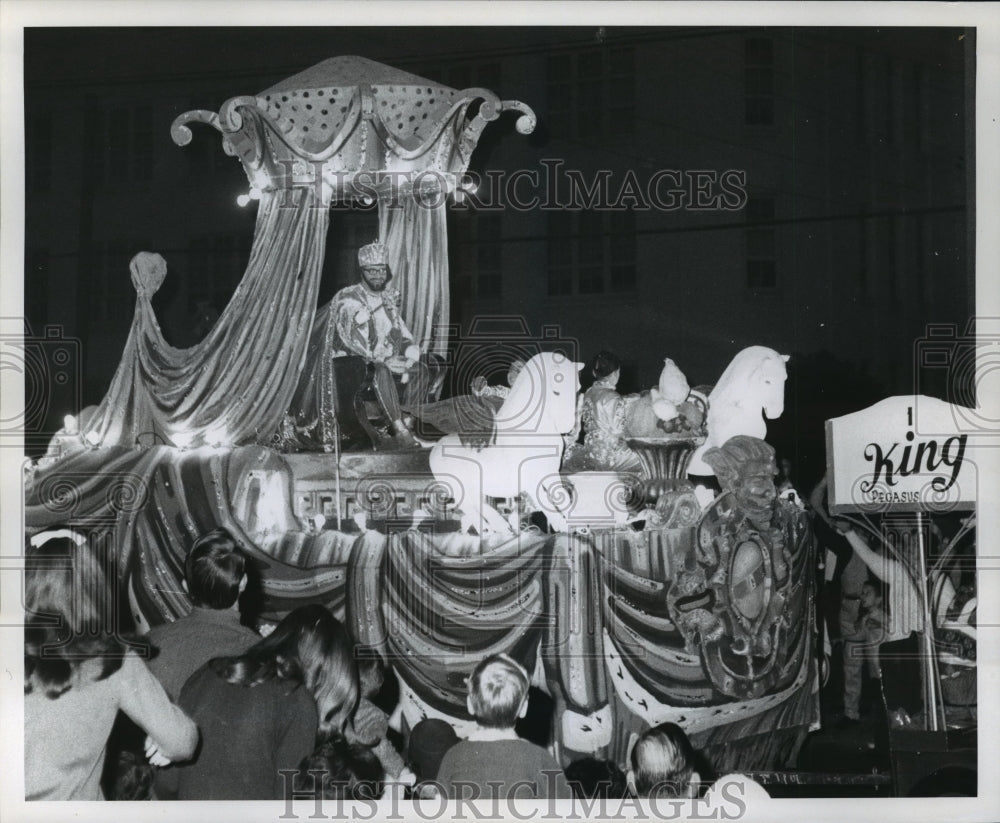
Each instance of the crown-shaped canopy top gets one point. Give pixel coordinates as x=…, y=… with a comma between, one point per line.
x=350, y=124
x=349, y=70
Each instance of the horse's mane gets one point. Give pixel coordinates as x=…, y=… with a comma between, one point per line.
x=735, y=381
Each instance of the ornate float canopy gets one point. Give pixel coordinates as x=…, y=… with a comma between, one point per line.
x=355, y=128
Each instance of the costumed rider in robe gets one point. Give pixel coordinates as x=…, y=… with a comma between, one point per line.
x=368, y=323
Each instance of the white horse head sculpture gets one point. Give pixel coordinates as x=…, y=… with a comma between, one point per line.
x=543, y=397
x=526, y=454
x=751, y=388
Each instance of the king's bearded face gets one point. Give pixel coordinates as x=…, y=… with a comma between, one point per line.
x=375, y=277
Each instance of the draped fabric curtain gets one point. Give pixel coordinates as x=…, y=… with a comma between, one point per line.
x=234, y=386
x=415, y=233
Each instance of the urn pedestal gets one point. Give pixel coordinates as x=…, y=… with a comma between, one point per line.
x=665, y=462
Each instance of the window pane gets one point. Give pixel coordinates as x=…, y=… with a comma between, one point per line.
x=621, y=61
x=759, y=209
x=460, y=77
x=590, y=64
x=759, y=80
x=591, y=280
x=623, y=278
x=759, y=51
x=489, y=285
x=559, y=68
x=560, y=281
x=761, y=274
x=760, y=243
x=142, y=143
x=488, y=76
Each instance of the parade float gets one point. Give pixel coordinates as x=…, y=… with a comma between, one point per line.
x=641, y=603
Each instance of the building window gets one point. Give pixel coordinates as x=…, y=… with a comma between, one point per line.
x=125, y=145
x=591, y=93
x=560, y=253
x=591, y=252
x=142, y=143
x=762, y=272
x=864, y=245
x=216, y=266
x=463, y=75
x=488, y=256
x=36, y=283
x=476, y=241
x=111, y=297
x=759, y=81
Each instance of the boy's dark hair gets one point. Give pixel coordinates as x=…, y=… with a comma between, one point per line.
x=497, y=688
x=590, y=778
x=429, y=740
x=213, y=569
x=345, y=771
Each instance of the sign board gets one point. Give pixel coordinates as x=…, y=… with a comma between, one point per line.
x=904, y=454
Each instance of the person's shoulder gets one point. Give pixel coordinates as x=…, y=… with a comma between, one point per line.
x=203, y=677
x=457, y=752
x=540, y=752
x=347, y=293
x=157, y=633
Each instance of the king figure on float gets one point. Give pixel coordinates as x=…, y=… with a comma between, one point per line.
x=367, y=322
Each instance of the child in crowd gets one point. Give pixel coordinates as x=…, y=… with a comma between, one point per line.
x=494, y=762
x=345, y=771
x=662, y=764
x=260, y=713
x=430, y=739
x=371, y=724
x=214, y=576
x=78, y=673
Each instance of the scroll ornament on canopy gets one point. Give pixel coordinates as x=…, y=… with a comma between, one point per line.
x=355, y=128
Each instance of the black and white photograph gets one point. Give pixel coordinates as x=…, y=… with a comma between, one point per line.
x=554, y=410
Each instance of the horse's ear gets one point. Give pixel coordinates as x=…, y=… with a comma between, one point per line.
x=785, y=357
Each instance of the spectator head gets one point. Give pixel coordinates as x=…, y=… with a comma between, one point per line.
x=871, y=595
x=215, y=571
x=498, y=692
x=346, y=771
x=590, y=779
x=67, y=601
x=133, y=777
x=428, y=742
x=662, y=763
x=605, y=363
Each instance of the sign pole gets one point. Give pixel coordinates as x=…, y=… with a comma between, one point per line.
x=930, y=669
